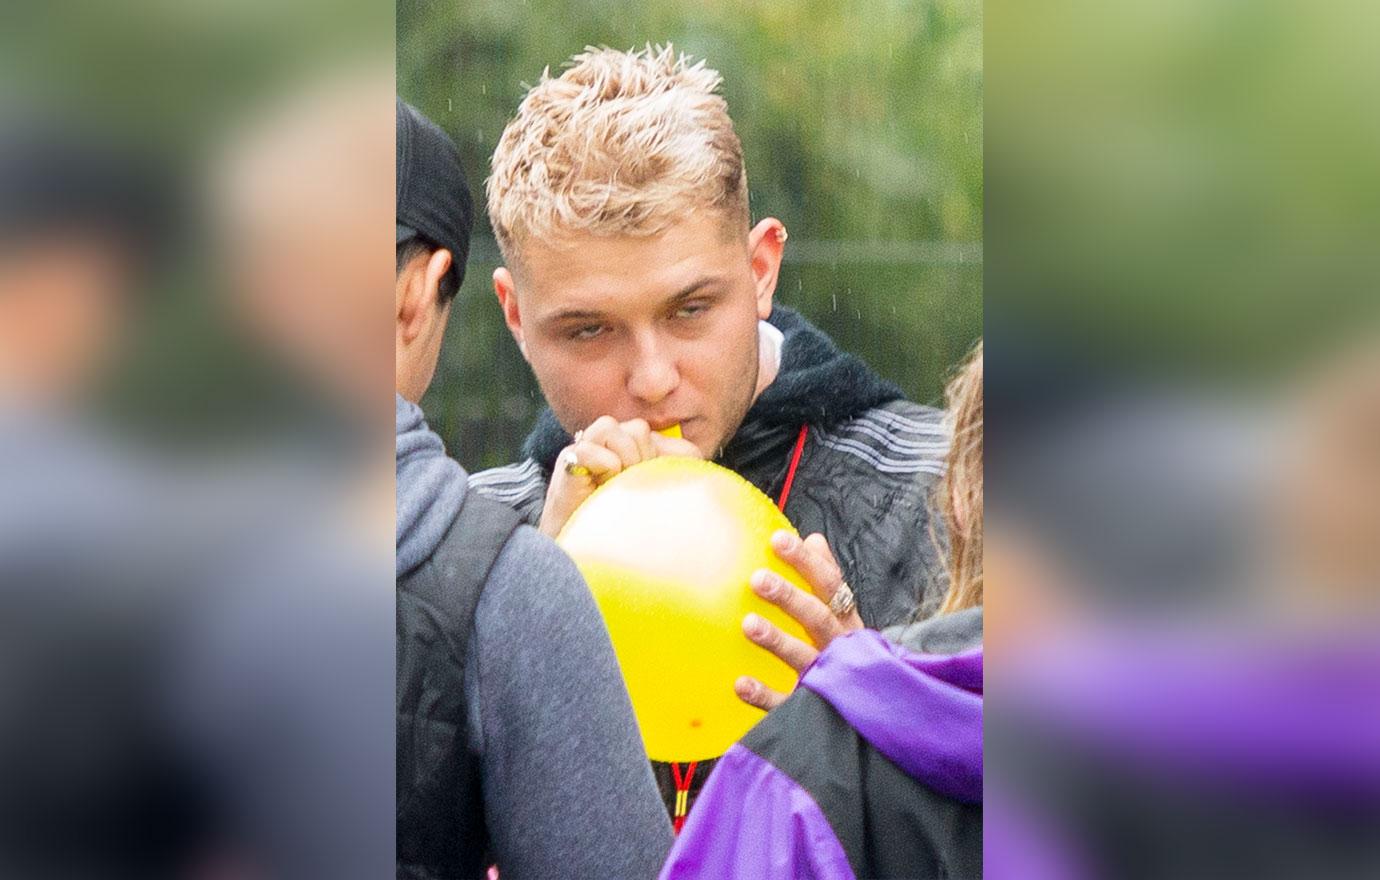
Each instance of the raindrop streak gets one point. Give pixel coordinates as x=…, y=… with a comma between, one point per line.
x=834, y=297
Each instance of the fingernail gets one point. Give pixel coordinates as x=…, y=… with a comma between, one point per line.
x=783, y=542
x=754, y=625
x=763, y=584
x=744, y=686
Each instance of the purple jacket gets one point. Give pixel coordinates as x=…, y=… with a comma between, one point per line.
x=1191, y=748
x=872, y=768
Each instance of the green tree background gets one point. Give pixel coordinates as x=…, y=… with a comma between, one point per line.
x=862, y=128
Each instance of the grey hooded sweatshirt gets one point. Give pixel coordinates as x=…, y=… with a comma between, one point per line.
x=568, y=791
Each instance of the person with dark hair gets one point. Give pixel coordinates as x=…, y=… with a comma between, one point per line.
x=82, y=778
x=419, y=247
x=80, y=219
x=509, y=697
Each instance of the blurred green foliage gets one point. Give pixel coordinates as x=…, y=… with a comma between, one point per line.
x=862, y=127
x=1186, y=189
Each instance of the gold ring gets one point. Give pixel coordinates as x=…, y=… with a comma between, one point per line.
x=843, y=601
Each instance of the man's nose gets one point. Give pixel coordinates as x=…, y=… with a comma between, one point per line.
x=653, y=374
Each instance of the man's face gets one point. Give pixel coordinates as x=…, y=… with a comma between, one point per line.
x=662, y=328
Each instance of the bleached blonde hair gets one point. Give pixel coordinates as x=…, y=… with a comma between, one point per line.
x=621, y=143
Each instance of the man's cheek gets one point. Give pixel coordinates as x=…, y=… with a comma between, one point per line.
x=572, y=388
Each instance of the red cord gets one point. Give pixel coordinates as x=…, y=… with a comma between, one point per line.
x=790, y=471
x=682, y=793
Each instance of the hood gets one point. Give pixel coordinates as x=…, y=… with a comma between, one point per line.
x=922, y=711
x=817, y=384
x=430, y=487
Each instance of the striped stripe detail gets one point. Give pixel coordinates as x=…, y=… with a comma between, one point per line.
x=938, y=444
x=882, y=463
x=510, y=483
x=508, y=474
x=891, y=443
x=933, y=427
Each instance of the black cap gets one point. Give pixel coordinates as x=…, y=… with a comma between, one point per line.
x=433, y=195
x=58, y=178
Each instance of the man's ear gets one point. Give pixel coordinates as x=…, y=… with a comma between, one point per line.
x=506, y=291
x=419, y=292
x=766, y=244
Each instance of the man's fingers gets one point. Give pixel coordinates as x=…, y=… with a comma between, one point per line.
x=675, y=446
x=625, y=447
x=820, y=547
x=641, y=434
x=754, y=693
x=808, y=610
x=610, y=435
x=597, y=428
x=568, y=490
x=818, y=568
x=792, y=651
x=601, y=462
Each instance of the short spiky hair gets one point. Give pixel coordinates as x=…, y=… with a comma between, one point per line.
x=621, y=143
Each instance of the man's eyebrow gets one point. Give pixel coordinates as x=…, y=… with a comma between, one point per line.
x=689, y=290
x=572, y=315
x=692, y=288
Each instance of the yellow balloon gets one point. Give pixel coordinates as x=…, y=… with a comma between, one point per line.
x=667, y=547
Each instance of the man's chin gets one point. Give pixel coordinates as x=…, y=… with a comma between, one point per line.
x=712, y=447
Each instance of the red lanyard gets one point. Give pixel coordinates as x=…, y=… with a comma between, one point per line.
x=790, y=471
x=682, y=794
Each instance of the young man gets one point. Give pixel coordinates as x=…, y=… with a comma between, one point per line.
x=642, y=298
x=508, y=694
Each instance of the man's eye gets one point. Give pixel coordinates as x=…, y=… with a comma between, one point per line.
x=693, y=310
x=589, y=331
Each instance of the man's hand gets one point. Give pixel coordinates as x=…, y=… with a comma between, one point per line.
x=815, y=562
x=600, y=452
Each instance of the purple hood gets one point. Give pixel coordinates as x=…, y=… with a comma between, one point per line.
x=921, y=711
